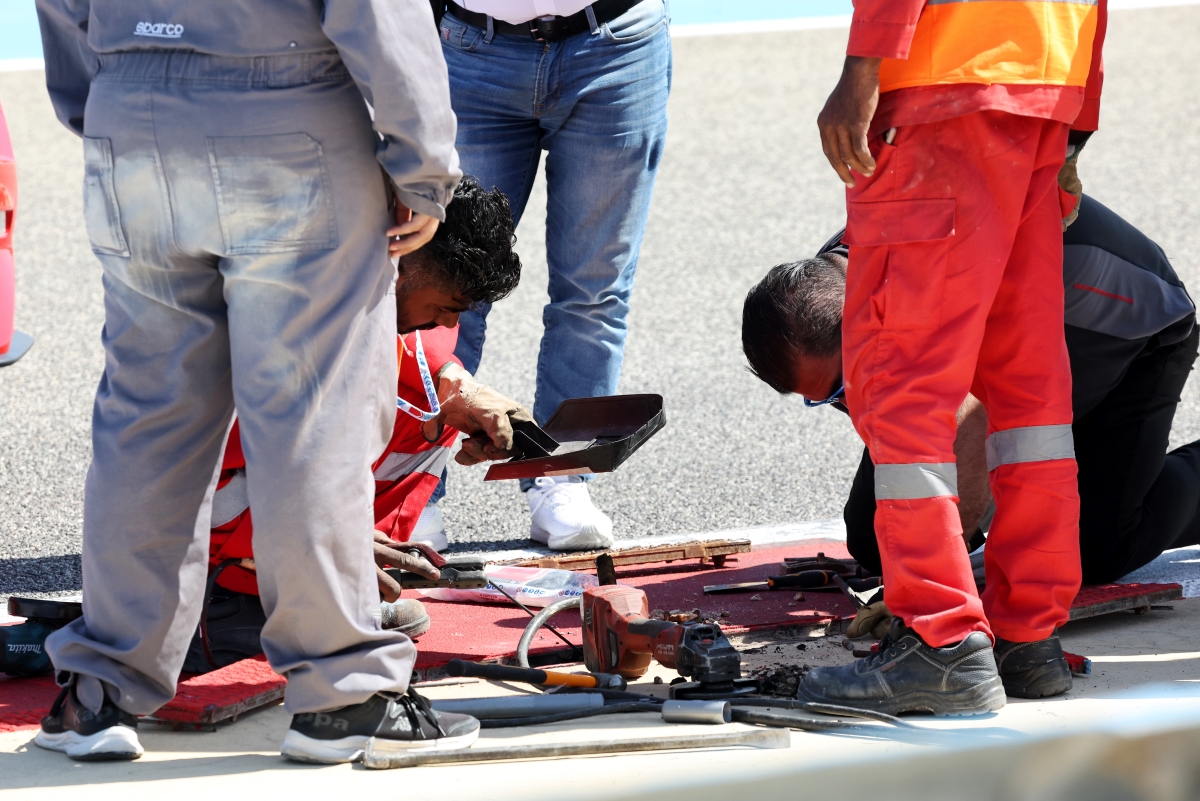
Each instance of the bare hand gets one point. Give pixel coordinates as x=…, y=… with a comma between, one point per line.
x=412, y=231
x=387, y=555
x=477, y=410
x=847, y=116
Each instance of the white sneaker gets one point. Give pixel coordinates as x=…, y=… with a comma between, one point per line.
x=431, y=528
x=564, y=517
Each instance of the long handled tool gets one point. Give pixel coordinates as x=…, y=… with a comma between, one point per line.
x=378, y=757
x=606, y=681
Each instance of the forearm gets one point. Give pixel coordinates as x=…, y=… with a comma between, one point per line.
x=391, y=49
x=974, y=492
x=70, y=61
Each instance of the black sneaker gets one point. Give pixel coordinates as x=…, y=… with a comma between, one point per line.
x=906, y=675
x=393, y=721
x=235, y=622
x=79, y=733
x=1033, y=669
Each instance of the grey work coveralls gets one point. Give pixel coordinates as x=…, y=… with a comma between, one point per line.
x=234, y=197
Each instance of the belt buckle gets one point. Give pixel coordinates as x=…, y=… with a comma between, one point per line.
x=545, y=30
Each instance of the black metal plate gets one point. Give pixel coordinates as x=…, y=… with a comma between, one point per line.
x=595, y=435
x=43, y=609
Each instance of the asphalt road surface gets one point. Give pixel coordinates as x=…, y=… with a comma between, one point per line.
x=743, y=186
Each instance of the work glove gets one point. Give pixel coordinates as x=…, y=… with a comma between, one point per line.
x=477, y=410
x=873, y=619
x=388, y=554
x=1068, y=180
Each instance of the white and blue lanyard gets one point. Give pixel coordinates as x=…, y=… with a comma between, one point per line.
x=427, y=380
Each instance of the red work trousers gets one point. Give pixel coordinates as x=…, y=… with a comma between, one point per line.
x=955, y=285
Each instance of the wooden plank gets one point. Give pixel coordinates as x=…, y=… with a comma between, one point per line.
x=715, y=550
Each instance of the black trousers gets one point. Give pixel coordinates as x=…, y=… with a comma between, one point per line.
x=1135, y=499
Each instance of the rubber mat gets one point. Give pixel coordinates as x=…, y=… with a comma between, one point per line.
x=486, y=631
x=211, y=698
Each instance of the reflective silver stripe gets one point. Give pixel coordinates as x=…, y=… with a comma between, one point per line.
x=432, y=461
x=230, y=500
x=1110, y=295
x=897, y=482
x=1029, y=444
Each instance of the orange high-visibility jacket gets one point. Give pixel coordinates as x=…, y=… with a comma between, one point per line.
x=1043, y=43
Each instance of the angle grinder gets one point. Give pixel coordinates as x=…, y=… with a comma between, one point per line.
x=23, y=646
x=619, y=637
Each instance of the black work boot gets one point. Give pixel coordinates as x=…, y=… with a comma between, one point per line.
x=88, y=736
x=1033, y=669
x=394, y=721
x=906, y=675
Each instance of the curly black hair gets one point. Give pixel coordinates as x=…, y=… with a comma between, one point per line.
x=472, y=252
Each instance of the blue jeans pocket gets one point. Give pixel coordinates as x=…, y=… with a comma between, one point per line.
x=101, y=211
x=642, y=21
x=459, y=35
x=272, y=193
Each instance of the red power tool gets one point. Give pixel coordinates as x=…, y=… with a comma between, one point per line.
x=619, y=637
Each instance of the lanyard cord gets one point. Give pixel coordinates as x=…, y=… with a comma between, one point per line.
x=427, y=381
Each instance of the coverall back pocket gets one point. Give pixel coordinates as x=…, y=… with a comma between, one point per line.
x=101, y=212
x=906, y=243
x=273, y=193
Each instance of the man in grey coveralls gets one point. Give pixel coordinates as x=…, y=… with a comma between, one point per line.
x=234, y=196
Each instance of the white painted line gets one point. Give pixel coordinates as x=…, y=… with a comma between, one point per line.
x=1128, y=5
x=21, y=64
x=1182, y=656
x=761, y=537
x=761, y=26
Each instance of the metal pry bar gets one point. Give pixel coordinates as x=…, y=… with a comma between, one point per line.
x=377, y=757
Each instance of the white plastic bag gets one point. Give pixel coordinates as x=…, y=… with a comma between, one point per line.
x=532, y=586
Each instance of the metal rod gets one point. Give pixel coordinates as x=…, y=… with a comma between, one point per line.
x=376, y=757
x=531, y=613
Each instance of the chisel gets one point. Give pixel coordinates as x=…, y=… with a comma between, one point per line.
x=808, y=580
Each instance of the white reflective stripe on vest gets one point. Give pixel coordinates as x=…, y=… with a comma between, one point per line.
x=230, y=500
x=432, y=461
x=1030, y=444
x=900, y=482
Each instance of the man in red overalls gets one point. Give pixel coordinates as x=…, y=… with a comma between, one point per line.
x=955, y=117
x=469, y=260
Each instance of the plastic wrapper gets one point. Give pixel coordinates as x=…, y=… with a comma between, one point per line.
x=532, y=586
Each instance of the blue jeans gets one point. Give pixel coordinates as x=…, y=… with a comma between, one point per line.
x=597, y=104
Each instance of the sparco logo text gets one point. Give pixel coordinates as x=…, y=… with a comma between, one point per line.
x=163, y=30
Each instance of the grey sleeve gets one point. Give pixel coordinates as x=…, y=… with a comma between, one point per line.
x=70, y=61
x=392, y=50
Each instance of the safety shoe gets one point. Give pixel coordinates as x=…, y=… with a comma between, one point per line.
x=431, y=528
x=906, y=675
x=386, y=721
x=406, y=615
x=564, y=517
x=234, y=627
x=87, y=736
x=1033, y=669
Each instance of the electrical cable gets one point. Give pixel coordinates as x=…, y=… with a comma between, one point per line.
x=538, y=621
x=785, y=721
x=824, y=709
x=611, y=709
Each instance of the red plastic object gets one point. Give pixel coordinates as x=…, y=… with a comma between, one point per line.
x=1080, y=665
x=13, y=344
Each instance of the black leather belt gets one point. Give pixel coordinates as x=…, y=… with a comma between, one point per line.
x=551, y=29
